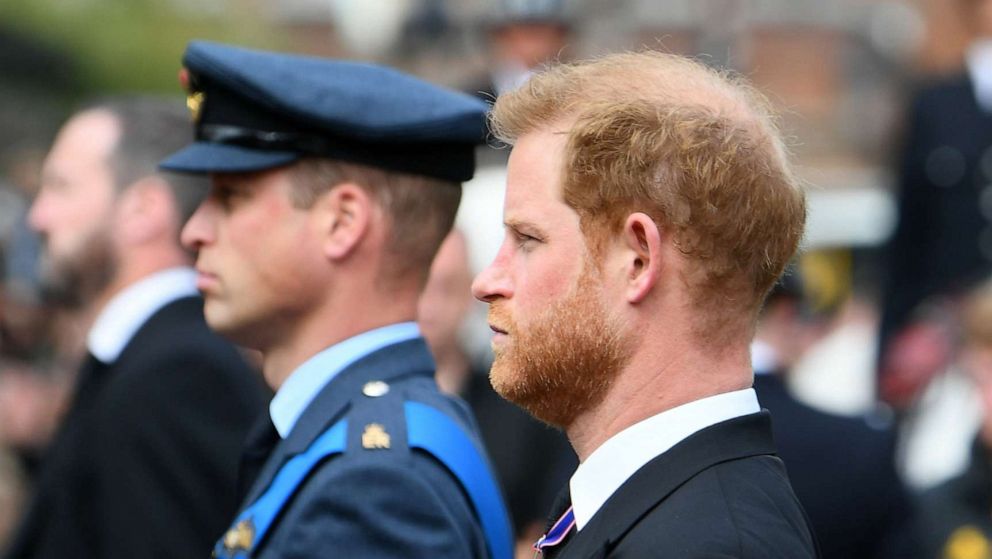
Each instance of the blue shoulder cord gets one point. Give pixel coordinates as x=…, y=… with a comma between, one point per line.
x=427, y=429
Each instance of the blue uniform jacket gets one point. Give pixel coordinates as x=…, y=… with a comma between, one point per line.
x=377, y=499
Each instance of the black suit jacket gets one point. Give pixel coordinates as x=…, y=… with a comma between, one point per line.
x=144, y=463
x=943, y=238
x=843, y=472
x=721, y=493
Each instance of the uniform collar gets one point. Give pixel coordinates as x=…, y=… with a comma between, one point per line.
x=304, y=383
x=127, y=311
x=616, y=460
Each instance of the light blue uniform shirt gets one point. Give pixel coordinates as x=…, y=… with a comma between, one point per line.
x=312, y=376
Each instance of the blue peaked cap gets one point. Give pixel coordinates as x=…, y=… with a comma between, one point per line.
x=255, y=110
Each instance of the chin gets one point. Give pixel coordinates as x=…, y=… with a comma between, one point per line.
x=220, y=321
x=498, y=377
x=527, y=391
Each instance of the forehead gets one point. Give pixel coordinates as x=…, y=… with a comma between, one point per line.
x=89, y=135
x=533, y=181
x=251, y=179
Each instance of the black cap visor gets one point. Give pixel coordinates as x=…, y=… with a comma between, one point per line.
x=209, y=157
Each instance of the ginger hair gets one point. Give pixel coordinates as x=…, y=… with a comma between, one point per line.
x=695, y=148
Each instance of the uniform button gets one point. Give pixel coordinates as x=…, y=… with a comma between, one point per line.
x=985, y=243
x=985, y=163
x=375, y=388
x=945, y=166
x=985, y=202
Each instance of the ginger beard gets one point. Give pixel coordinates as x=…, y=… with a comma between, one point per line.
x=562, y=362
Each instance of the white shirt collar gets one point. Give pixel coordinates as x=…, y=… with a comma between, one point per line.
x=764, y=358
x=307, y=380
x=610, y=465
x=127, y=311
x=979, y=62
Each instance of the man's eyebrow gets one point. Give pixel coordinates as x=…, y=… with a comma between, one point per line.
x=522, y=226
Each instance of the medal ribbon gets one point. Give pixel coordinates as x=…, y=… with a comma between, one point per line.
x=557, y=532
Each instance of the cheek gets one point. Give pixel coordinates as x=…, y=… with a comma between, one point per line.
x=545, y=282
x=282, y=259
x=75, y=232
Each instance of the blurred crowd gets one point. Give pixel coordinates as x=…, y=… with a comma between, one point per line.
x=874, y=354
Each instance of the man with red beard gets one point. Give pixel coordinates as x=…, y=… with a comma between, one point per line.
x=649, y=208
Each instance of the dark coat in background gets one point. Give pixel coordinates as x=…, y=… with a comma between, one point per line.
x=843, y=472
x=393, y=502
x=943, y=237
x=145, y=461
x=719, y=493
x=954, y=518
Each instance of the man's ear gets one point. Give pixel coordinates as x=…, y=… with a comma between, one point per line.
x=643, y=250
x=343, y=216
x=145, y=211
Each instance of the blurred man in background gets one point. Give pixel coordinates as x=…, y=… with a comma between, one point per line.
x=145, y=460
x=955, y=521
x=442, y=309
x=523, y=36
x=943, y=239
x=843, y=469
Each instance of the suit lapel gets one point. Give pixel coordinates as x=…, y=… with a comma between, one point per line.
x=742, y=437
x=390, y=363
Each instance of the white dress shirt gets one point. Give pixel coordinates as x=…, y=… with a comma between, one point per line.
x=612, y=464
x=764, y=358
x=978, y=59
x=127, y=311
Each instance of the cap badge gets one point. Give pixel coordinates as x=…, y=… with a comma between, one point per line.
x=194, y=101
x=194, y=98
x=375, y=436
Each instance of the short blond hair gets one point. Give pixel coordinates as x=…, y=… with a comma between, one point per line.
x=420, y=210
x=695, y=148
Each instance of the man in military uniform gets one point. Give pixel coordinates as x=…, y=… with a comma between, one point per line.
x=333, y=184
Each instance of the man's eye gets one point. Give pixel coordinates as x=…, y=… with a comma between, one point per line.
x=224, y=194
x=525, y=241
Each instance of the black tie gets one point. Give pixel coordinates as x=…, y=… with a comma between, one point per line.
x=262, y=438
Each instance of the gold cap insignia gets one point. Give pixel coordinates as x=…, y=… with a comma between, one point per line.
x=240, y=537
x=375, y=388
x=375, y=436
x=194, y=98
x=194, y=102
